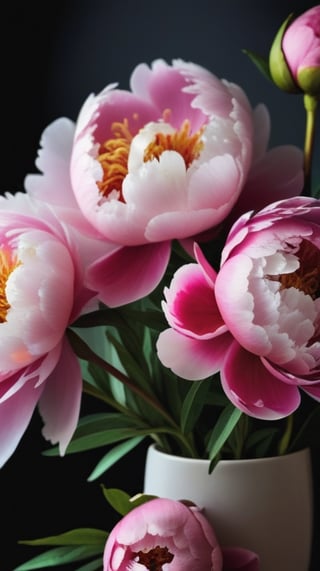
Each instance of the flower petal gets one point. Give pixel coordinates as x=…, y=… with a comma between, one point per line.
x=191, y=359
x=253, y=389
x=59, y=404
x=144, y=267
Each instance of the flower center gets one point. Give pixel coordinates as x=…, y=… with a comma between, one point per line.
x=155, y=558
x=307, y=277
x=187, y=145
x=8, y=263
x=113, y=153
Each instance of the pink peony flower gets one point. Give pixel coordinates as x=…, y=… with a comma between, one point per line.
x=257, y=319
x=301, y=48
x=167, y=534
x=41, y=293
x=167, y=160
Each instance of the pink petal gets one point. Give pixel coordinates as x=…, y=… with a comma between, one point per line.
x=253, y=389
x=144, y=267
x=53, y=160
x=190, y=305
x=59, y=405
x=15, y=415
x=313, y=391
x=276, y=176
x=191, y=359
x=239, y=559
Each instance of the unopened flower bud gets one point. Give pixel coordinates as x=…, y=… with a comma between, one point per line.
x=295, y=54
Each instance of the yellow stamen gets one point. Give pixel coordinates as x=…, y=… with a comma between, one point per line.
x=113, y=153
x=189, y=146
x=113, y=157
x=8, y=262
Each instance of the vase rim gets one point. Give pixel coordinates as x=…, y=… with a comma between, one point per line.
x=155, y=448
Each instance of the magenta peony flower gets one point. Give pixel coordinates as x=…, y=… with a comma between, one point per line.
x=166, y=160
x=256, y=320
x=301, y=49
x=41, y=292
x=167, y=534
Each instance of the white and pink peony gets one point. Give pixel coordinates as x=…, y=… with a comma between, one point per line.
x=41, y=292
x=168, y=159
x=256, y=320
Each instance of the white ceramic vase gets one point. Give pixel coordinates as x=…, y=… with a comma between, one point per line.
x=265, y=505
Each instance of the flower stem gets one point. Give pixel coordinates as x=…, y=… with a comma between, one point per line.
x=310, y=105
x=83, y=351
x=285, y=440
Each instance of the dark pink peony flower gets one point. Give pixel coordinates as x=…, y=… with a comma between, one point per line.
x=166, y=160
x=167, y=534
x=41, y=293
x=257, y=319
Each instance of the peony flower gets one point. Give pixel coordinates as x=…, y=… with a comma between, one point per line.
x=41, y=293
x=167, y=534
x=167, y=160
x=257, y=319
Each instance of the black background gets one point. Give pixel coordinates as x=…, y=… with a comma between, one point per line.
x=52, y=56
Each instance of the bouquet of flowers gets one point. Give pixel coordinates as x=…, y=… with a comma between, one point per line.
x=166, y=243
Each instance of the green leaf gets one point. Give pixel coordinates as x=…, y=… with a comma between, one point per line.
x=193, y=404
x=136, y=369
x=100, y=438
x=260, y=62
x=113, y=456
x=122, y=502
x=59, y=556
x=222, y=430
x=80, y=536
x=94, y=565
x=118, y=499
x=261, y=440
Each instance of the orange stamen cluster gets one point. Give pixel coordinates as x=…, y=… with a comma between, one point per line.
x=8, y=263
x=113, y=153
x=113, y=157
x=307, y=277
x=187, y=145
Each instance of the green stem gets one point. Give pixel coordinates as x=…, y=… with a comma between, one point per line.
x=310, y=105
x=285, y=440
x=83, y=351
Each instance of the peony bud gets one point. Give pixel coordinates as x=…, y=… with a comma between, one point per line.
x=295, y=54
x=278, y=66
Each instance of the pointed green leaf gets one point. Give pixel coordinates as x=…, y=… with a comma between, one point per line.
x=222, y=430
x=122, y=502
x=80, y=536
x=59, y=556
x=95, y=565
x=113, y=456
x=260, y=62
x=193, y=404
x=118, y=499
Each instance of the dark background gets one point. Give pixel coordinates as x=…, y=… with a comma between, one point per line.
x=53, y=54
